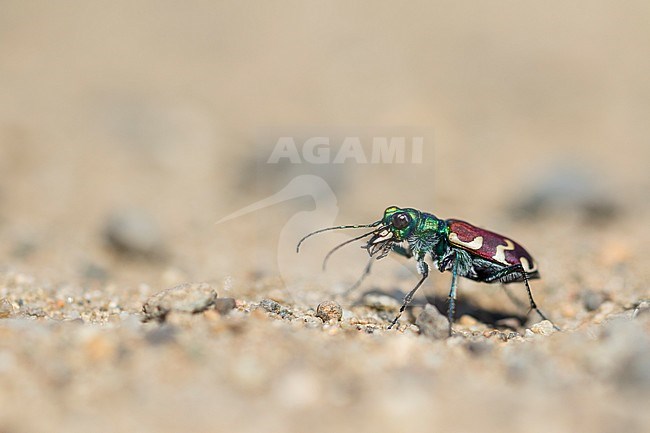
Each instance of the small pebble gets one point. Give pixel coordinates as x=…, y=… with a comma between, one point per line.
x=490, y=333
x=225, y=305
x=545, y=327
x=592, y=300
x=185, y=298
x=329, y=312
x=466, y=320
x=134, y=232
x=433, y=324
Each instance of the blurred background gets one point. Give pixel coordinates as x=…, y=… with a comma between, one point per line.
x=128, y=128
x=157, y=108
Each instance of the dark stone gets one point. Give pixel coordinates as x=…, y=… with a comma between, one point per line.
x=225, y=305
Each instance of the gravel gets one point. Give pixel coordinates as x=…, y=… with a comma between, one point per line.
x=274, y=307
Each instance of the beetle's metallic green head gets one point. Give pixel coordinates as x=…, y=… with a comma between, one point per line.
x=400, y=222
x=397, y=225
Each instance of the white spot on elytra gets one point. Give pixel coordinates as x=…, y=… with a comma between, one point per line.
x=500, y=255
x=475, y=244
x=527, y=266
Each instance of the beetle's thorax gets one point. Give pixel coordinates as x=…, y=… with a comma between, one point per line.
x=429, y=235
x=423, y=231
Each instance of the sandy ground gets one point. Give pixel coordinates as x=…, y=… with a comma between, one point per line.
x=127, y=130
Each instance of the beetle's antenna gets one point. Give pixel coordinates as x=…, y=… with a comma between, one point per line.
x=358, y=226
x=349, y=241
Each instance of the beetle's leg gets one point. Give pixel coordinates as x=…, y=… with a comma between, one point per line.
x=451, y=309
x=424, y=270
x=497, y=276
x=406, y=252
x=533, y=306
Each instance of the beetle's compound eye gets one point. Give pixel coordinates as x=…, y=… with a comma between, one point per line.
x=401, y=220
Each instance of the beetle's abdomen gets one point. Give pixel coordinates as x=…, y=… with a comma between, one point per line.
x=489, y=245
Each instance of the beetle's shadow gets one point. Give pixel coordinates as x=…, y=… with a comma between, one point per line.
x=464, y=306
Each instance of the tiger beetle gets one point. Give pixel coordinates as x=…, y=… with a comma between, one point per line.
x=457, y=246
